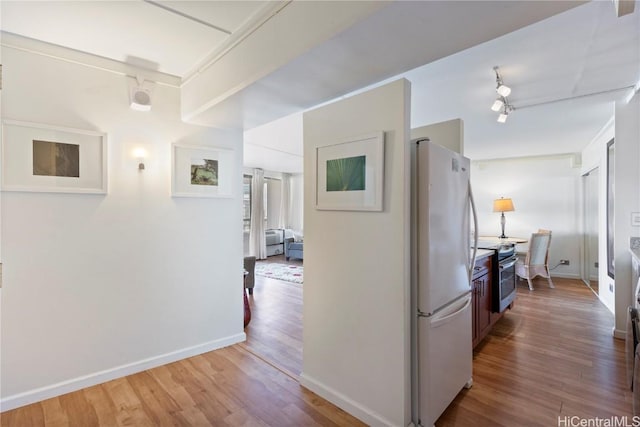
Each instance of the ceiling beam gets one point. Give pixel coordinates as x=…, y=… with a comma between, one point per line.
x=184, y=15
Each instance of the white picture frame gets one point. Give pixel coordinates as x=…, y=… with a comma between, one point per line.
x=82, y=169
x=213, y=167
x=350, y=174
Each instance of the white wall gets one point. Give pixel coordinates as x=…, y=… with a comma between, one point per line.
x=356, y=291
x=627, y=200
x=98, y=286
x=595, y=155
x=448, y=134
x=545, y=193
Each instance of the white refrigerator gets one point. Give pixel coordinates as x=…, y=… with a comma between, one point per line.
x=442, y=259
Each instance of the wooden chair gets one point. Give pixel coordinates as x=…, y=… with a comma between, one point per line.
x=536, y=261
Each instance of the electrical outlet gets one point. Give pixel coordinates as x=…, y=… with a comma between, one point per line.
x=564, y=262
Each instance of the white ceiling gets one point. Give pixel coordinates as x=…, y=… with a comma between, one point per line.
x=566, y=58
x=172, y=37
x=584, y=50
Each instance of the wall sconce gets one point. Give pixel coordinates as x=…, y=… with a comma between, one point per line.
x=140, y=154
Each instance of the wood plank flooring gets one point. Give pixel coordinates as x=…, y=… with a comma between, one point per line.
x=227, y=387
x=552, y=355
x=275, y=330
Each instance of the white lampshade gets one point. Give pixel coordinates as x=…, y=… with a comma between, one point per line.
x=503, y=90
x=497, y=105
x=502, y=117
x=503, y=205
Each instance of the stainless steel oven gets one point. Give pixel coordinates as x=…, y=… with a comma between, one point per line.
x=504, y=291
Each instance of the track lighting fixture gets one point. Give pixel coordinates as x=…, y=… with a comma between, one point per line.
x=497, y=104
x=501, y=104
x=504, y=114
x=503, y=90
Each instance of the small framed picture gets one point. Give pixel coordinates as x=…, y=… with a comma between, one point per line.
x=200, y=171
x=37, y=157
x=350, y=174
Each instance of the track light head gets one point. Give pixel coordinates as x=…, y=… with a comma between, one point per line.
x=497, y=104
x=503, y=90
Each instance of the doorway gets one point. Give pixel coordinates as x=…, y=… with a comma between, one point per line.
x=590, y=272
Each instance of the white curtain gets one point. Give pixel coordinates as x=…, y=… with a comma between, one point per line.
x=284, y=220
x=257, y=242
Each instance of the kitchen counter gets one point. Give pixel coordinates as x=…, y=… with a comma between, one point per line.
x=482, y=253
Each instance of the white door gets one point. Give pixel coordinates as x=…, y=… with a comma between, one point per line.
x=445, y=358
x=442, y=226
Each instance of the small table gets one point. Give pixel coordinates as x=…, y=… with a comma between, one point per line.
x=498, y=240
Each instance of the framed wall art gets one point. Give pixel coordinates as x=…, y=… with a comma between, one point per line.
x=350, y=174
x=199, y=171
x=37, y=157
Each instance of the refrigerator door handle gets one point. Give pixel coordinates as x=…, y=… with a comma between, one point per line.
x=475, y=232
x=437, y=321
x=446, y=306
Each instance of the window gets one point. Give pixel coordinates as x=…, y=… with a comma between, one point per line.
x=246, y=203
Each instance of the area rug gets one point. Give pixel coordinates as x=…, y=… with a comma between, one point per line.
x=286, y=272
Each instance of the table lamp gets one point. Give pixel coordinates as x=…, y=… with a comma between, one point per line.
x=503, y=205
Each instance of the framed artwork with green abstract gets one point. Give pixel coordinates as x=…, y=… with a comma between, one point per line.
x=350, y=174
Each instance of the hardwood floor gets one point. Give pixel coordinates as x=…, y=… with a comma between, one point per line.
x=552, y=355
x=227, y=387
x=275, y=330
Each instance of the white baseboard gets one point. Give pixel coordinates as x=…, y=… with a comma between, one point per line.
x=359, y=411
x=620, y=334
x=68, y=386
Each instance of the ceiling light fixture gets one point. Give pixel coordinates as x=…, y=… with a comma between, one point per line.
x=497, y=104
x=140, y=97
x=501, y=88
x=501, y=104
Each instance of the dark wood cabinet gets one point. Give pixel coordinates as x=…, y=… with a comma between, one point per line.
x=481, y=284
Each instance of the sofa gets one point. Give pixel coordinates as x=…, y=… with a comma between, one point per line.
x=293, y=249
